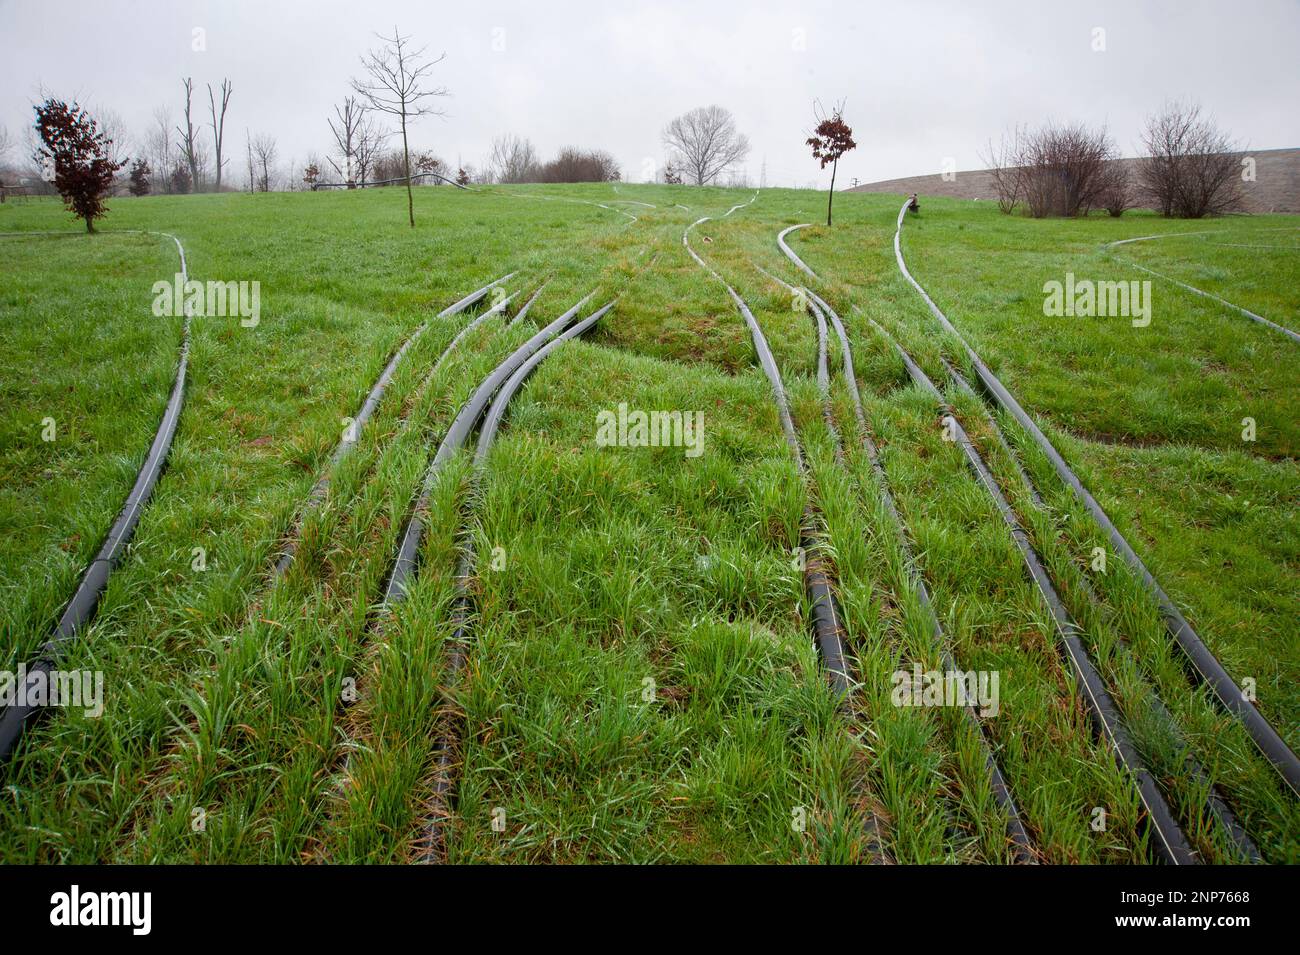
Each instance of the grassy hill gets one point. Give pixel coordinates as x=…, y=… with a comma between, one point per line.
x=641, y=684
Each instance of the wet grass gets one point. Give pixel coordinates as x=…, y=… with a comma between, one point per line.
x=640, y=685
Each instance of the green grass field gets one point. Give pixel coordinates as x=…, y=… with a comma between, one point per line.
x=642, y=685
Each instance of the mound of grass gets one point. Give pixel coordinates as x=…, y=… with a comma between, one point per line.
x=641, y=685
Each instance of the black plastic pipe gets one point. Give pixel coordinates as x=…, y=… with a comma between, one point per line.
x=523, y=311
x=85, y=599
x=1205, y=665
x=1022, y=846
x=1227, y=819
x=353, y=434
x=1170, y=842
x=827, y=630
x=433, y=845
x=1294, y=336
x=458, y=433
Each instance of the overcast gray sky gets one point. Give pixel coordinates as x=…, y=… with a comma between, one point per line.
x=923, y=81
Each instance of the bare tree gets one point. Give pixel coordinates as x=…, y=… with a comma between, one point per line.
x=396, y=86
x=371, y=138
x=112, y=125
x=346, y=132
x=158, y=144
x=705, y=143
x=218, y=123
x=1191, y=168
x=6, y=143
x=248, y=143
x=264, y=156
x=189, y=150
x=512, y=159
x=1008, y=177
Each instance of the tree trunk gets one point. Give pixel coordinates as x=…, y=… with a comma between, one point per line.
x=90, y=224
x=406, y=162
x=830, y=196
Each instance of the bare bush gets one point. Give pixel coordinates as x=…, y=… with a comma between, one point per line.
x=1116, y=194
x=388, y=169
x=580, y=165
x=1191, y=167
x=1062, y=169
x=1055, y=170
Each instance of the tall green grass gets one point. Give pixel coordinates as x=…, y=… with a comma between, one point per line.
x=641, y=685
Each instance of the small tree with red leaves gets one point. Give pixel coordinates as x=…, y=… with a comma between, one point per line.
x=830, y=140
x=462, y=177
x=81, y=157
x=311, y=175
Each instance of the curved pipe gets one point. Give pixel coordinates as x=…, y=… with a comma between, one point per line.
x=825, y=618
x=1294, y=336
x=352, y=435
x=457, y=434
x=1172, y=845
x=434, y=841
x=1206, y=666
x=1191, y=288
x=388, y=182
x=1022, y=846
x=85, y=599
x=1227, y=819
x=496, y=412
x=789, y=252
x=523, y=310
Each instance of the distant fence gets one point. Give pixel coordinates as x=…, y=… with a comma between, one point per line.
x=26, y=190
